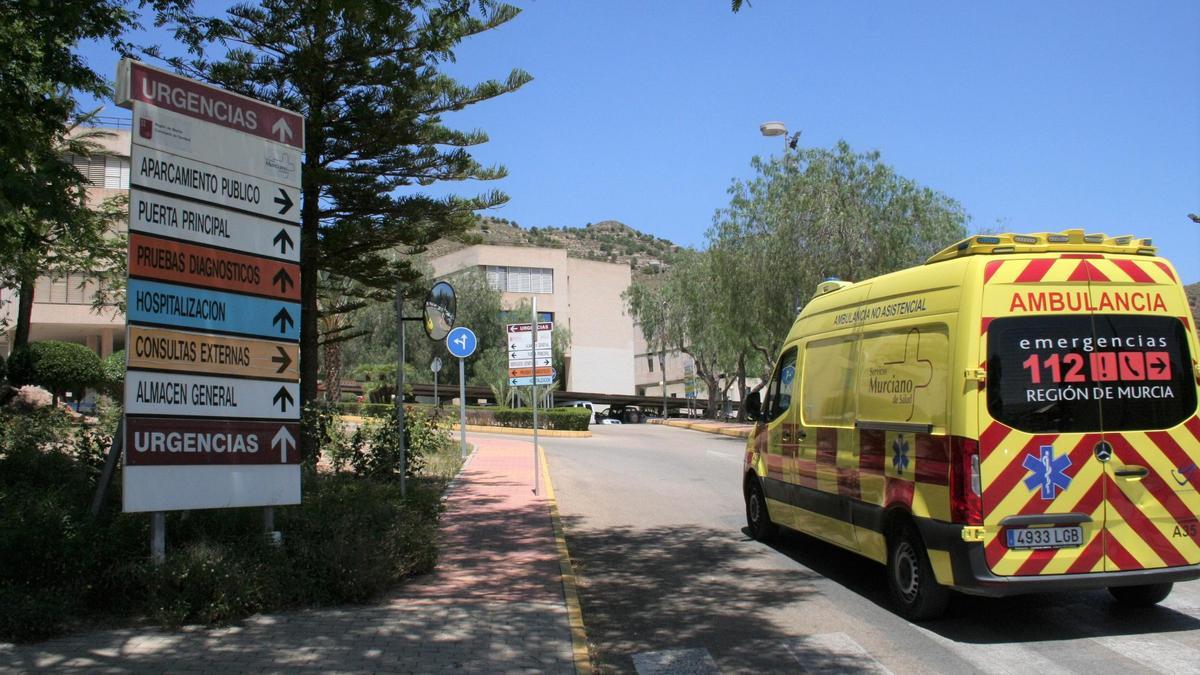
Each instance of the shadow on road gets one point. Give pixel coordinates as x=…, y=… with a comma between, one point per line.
x=1040, y=617
x=646, y=590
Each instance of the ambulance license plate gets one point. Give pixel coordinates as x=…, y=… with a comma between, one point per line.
x=1046, y=537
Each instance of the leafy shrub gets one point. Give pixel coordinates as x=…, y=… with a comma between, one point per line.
x=3, y=368
x=350, y=539
x=57, y=366
x=567, y=419
x=113, y=367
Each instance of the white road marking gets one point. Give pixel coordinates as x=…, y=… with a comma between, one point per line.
x=1162, y=654
x=833, y=653
x=676, y=662
x=998, y=659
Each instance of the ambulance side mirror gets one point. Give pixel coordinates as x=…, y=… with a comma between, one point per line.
x=753, y=405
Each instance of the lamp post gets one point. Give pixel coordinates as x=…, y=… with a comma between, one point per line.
x=770, y=129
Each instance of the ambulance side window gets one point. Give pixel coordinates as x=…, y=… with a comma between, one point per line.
x=779, y=393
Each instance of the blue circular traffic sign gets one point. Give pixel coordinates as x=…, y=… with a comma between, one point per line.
x=461, y=342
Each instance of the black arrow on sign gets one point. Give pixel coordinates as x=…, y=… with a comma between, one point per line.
x=283, y=279
x=283, y=397
x=284, y=240
x=284, y=319
x=1157, y=364
x=285, y=202
x=284, y=360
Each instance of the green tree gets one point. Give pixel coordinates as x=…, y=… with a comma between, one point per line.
x=812, y=214
x=368, y=78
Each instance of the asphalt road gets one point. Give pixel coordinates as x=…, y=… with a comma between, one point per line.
x=671, y=583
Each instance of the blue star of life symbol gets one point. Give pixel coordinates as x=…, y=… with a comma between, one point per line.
x=900, y=454
x=1048, y=472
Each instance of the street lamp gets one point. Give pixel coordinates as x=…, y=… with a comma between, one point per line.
x=770, y=129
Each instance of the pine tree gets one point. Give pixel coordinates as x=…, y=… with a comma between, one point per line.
x=366, y=75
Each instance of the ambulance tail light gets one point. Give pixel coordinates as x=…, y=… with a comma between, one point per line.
x=966, y=485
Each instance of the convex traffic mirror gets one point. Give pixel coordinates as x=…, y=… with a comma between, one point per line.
x=441, y=305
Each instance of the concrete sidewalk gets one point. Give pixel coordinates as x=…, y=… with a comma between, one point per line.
x=500, y=600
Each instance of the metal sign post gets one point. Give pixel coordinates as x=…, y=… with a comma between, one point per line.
x=436, y=367
x=537, y=484
x=461, y=343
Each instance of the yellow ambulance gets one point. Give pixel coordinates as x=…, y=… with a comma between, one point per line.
x=1016, y=415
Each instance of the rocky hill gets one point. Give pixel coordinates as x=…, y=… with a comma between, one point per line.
x=606, y=241
x=1193, y=294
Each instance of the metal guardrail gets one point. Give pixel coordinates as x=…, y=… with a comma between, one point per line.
x=111, y=122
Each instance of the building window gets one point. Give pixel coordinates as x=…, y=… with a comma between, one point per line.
x=73, y=289
x=650, y=362
x=103, y=171
x=520, y=279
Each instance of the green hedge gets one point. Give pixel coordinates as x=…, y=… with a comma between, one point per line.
x=565, y=419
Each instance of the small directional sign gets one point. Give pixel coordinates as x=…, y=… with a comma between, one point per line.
x=176, y=394
x=186, y=177
x=164, y=349
x=176, y=262
x=529, y=354
x=529, y=381
x=245, y=153
x=160, y=304
x=166, y=216
x=531, y=372
x=192, y=440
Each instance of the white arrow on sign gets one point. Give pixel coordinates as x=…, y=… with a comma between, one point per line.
x=283, y=438
x=282, y=129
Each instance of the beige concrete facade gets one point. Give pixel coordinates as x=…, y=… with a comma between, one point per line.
x=583, y=295
x=62, y=307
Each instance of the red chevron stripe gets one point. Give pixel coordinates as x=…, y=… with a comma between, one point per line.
x=1166, y=268
x=1154, y=484
x=996, y=489
x=990, y=439
x=983, y=325
x=1142, y=526
x=806, y=473
x=1086, y=271
x=990, y=269
x=1193, y=425
x=1087, y=504
x=1119, y=556
x=1089, y=556
x=897, y=491
x=1134, y=270
x=1174, y=452
x=1034, y=271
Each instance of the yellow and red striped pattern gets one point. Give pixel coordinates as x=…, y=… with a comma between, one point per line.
x=1078, y=267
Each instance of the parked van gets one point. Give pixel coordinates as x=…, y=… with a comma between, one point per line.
x=1017, y=415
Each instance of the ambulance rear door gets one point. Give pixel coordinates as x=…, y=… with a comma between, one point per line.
x=1142, y=371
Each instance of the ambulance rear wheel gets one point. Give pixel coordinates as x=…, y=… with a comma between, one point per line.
x=1141, y=596
x=914, y=589
x=758, y=520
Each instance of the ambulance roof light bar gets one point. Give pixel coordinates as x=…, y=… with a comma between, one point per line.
x=1075, y=241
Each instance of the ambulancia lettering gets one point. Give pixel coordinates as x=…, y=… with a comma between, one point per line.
x=1081, y=301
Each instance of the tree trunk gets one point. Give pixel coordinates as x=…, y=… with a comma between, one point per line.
x=24, y=309
x=333, y=372
x=741, y=382
x=662, y=371
x=310, y=259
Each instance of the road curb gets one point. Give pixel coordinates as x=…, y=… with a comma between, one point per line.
x=708, y=427
x=555, y=433
x=579, y=643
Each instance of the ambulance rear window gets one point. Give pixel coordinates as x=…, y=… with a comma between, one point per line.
x=1085, y=373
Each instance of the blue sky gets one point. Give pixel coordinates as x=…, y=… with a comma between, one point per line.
x=1035, y=116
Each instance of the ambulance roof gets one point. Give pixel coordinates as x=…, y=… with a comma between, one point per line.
x=1074, y=241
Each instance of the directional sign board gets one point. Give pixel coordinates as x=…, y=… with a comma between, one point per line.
x=526, y=360
x=212, y=397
